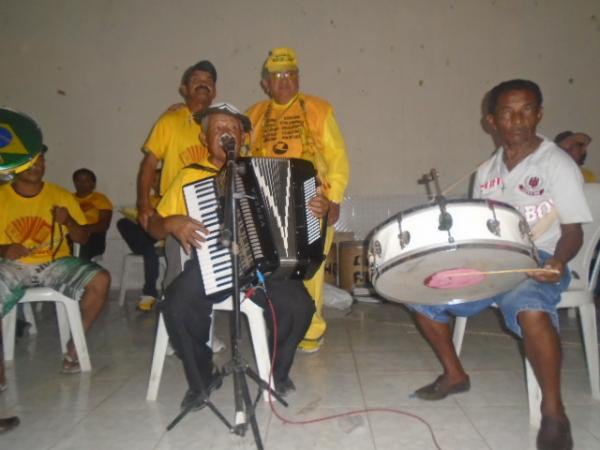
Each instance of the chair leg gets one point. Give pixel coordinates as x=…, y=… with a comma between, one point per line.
x=64, y=330
x=258, y=334
x=9, y=330
x=162, y=271
x=211, y=333
x=30, y=317
x=78, y=334
x=534, y=395
x=158, y=359
x=587, y=314
x=460, y=323
x=124, y=278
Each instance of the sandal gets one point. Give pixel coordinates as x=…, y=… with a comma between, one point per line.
x=70, y=365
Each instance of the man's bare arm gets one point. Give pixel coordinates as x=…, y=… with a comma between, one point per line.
x=145, y=181
x=567, y=247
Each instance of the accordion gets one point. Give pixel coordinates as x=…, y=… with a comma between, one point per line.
x=277, y=233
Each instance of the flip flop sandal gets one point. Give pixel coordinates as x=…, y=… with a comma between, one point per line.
x=70, y=365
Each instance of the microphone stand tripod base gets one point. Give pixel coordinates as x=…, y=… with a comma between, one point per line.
x=202, y=401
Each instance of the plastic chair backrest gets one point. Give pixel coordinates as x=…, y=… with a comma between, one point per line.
x=580, y=265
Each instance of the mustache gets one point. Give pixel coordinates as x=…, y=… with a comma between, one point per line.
x=204, y=87
x=519, y=130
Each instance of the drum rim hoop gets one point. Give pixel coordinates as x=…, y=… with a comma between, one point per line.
x=487, y=201
x=451, y=247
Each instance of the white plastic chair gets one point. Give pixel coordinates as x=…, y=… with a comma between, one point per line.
x=580, y=295
x=129, y=260
x=69, y=324
x=258, y=335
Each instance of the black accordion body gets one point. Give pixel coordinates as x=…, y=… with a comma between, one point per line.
x=277, y=233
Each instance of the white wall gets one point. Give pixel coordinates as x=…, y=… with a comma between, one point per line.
x=406, y=77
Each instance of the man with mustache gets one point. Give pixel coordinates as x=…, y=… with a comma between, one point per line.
x=576, y=145
x=532, y=174
x=186, y=307
x=174, y=141
x=292, y=124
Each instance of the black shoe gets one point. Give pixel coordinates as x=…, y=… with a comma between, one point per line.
x=554, y=434
x=193, y=400
x=285, y=386
x=196, y=400
x=437, y=390
x=8, y=423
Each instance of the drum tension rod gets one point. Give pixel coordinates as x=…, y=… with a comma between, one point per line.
x=403, y=236
x=445, y=219
x=493, y=224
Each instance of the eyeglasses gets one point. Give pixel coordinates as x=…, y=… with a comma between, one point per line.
x=285, y=75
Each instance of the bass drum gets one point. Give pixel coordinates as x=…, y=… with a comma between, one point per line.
x=427, y=256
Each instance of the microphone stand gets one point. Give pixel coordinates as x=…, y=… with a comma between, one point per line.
x=237, y=366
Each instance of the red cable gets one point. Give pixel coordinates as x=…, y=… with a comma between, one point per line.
x=334, y=416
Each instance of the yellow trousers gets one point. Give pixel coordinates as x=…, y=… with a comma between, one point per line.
x=314, y=286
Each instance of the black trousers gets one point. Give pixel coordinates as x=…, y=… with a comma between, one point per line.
x=141, y=243
x=186, y=310
x=95, y=246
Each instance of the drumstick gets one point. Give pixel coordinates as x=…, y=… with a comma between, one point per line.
x=499, y=272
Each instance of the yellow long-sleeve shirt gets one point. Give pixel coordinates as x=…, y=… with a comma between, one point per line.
x=303, y=128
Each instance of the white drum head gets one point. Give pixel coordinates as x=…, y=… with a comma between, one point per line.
x=416, y=260
x=414, y=280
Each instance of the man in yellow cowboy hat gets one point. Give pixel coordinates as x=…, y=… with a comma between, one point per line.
x=291, y=124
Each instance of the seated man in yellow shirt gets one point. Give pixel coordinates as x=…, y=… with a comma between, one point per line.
x=98, y=212
x=36, y=217
x=186, y=307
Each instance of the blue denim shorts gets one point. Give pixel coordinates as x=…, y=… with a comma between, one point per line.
x=530, y=295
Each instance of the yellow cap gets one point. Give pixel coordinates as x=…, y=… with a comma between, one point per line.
x=282, y=59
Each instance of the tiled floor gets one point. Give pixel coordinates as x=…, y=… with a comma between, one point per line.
x=372, y=358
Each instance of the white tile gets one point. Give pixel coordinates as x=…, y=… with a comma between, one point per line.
x=372, y=356
x=411, y=428
x=327, y=431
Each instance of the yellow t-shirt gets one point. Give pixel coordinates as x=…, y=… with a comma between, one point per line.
x=28, y=221
x=303, y=128
x=172, y=203
x=175, y=139
x=92, y=204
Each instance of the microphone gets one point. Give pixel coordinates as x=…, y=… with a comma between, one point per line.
x=227, y=142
